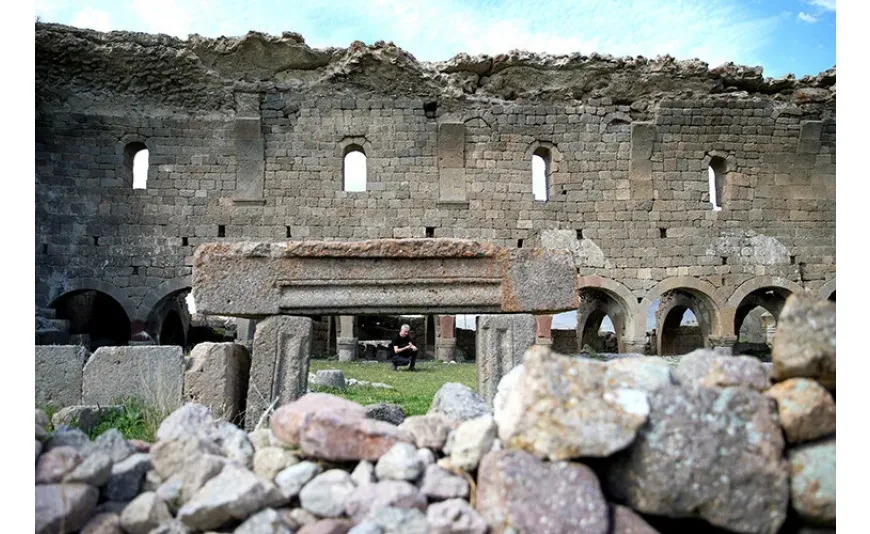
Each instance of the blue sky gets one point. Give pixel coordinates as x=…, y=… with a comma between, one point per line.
x=783, y=36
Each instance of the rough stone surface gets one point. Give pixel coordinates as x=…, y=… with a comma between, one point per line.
x=173, y=526
x=266, y=521
x=331, y=378
x=426, y=456
x=386, y=493
x=645, y=374
x=170, y=492
x=298, y=517
x=363, y=473
x=234, y=444
x=399, y=463
x=805, y=344
x=458, y=402
x=64, y=506
x=288, y=420
x=342, y=437
x=439, y=484
x=169, y=457
x=279, y=364
x=217, y=377
x=152, y=375
x=501, y=342
x=472, y=440
x=560, y=408
x=38, y=449
x=511, y=495
x=84, y=417
x=269, y=461
x=94, y=470
x=55, y=464
x=626, y=521
x=127, y=476
x=454, y=516
x=144, y=513
x=705, y=368
x=291, y=480
x=813, y=469
x=105, y=523
x=326, y=494
x=41, y=418
x=806, y=410
x=366, y=527
x=233, y=494
x=198, y=471
x=59, y=375
x=192, y=419
x=389, y=413
x=398, y=520
x=327, y=526
x=112, y=443
x=712, y=453
x=429, y=431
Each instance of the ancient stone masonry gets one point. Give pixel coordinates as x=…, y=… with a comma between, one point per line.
x=246, y=139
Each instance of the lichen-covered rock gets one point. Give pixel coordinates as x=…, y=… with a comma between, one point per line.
x=806, y=409
x=267, y=521
x=327, y=526
x=648, y=373
x=269, y=461
x=398, y=520
x=429, y=431
x=326, y=494
x=561, y=408
x=706, y=368
x=64, y=507
x=458, y=402
x=805, y=344
x=291, y=480
x=454, y=516
x=55, y=464
x=710, y=453
x=473, y=439
x=439, y=484
x=813, y=469
x=399, y=463
x=516, y=490
x=389, y=413
x=144, y=513
x=386, y=493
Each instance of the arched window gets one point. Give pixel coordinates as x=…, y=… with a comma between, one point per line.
x=716, y=176
x=354, y=168
x=136, y=162
x=541, y=174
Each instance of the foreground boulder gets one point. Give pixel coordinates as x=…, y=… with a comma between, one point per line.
x=706, y=368
x=64, y=507
x=517, y=492
x=814, y=481
x=806, y=409
x=712, y=453
x=805, y=344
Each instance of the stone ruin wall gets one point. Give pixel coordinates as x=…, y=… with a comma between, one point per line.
x=247, y=135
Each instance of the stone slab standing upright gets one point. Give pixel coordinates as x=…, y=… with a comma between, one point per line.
x=59, y=375
x=347, y=343
x=501, y=342
x=279, y=364
x=153, y=375
x=218, y=378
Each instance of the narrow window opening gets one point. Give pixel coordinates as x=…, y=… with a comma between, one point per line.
x=136, y=164
x=289, y=233
x=135, y=270
x=96, y=240
x=222, y=230
x=579, y=234
x=354, y=169
x=519, y=243
x=663, y=233
x=541, y=174
x=716, y=177
x=184, y=242
x=430, y=109
x=430, y=231
x=724, y=260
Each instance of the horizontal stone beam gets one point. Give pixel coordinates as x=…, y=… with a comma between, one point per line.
x=383, y=276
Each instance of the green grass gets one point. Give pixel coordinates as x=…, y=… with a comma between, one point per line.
x=414, y=391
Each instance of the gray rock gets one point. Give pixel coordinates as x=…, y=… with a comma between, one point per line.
x=69, y=437
x=170, y=457
x=389, y=413
x=805, y=343
x=112, y=442
x=84, y=417
x=261, y=438
x=199, y=471
x=192, y=419
x=291, y=480
x=626, y=521
x=172, y=526
x=298, y=517
x=38, y=449
x=366, y=527
x=235, y=493
x=269, y=461
x=266, y=521
x=399, y=520
x=127, y=476
x=439, y=484
x=647, y=373
x=41, y=418
x=399, y=463
x=217, y=377
x=473, y=439
x=144, y=513
x=331, y=378
x=326, y=494
x=813, y=485
x=55, y=464
x=454, y=516
x=40, y=433
x=94, y=470
x=327, y=526
x=426, y=456
x=171, y=491
x=396, y=493
x=64, y=507
x=806, y=409
x=429, y=431
x=105, y=523
x=152, y=375
x=234, y=444
x=458, y=402
x=363, y=473
x=515, y=488
x=706, y=368
x=709, y=453
x=153, y=480
x=59, y=375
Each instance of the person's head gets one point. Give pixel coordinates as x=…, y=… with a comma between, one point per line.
x=404, y=330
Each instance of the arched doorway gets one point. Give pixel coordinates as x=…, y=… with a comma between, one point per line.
x=684, y=321
x=601, y=320
x=95, y=314
x=169, y=320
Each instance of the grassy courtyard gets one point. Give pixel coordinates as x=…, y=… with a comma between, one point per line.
x=414, y=391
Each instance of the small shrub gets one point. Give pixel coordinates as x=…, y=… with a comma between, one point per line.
x=134, y=421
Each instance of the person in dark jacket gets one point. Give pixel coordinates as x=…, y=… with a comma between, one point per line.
x=404, y=350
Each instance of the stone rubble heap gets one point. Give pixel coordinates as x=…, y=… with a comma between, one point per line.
x=572, y=445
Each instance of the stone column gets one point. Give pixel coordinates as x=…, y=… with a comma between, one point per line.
x=446, y=340
x=279, y=364
x=347, y=343
x=502, y=340
x=543, y=330
x=245, y=329
x=723, y=343
x=637, y=346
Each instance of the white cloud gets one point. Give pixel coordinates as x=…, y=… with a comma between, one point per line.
x=825, y=5
x=94, y=19
x=45, y=7
x=807, y=17
x=164, y=16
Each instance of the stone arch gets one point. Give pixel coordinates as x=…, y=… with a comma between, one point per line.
x=761, y=282
x=767, y=292
x=669, y=317
x=599, y=297
x=828, y=290
x=125, y=149
x=94, y=313
x=158, y=293
x=83, y=284
x=704, y=292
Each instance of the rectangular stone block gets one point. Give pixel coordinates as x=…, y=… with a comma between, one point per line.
x=250, y=157
x=380, y=277
x=217, y=377
x=279, y=364
x=810, y=139
x=150, y=374
x=502, y=340
x=451, y=184
x=59, y=375
x=451, y=162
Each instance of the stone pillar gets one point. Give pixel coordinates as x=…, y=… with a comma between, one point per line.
x=637, y=346
x=347, y=343
x=217, y=377
x=279, y=364
x=245, y=329
x=543, y=330
x=502, y=340
x=723, y=343
x=446, y=340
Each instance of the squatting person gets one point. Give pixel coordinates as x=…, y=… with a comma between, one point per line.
x=404, y=350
